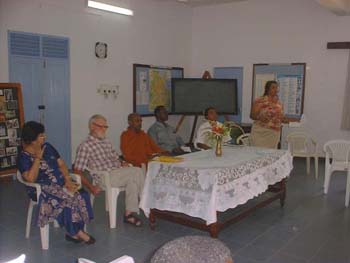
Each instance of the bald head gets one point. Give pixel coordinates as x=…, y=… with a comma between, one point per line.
x=135, y=121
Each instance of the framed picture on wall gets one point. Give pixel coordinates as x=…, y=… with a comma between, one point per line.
x=11, y=120
x=3, y=129
x=291, y=81
x=152, y=87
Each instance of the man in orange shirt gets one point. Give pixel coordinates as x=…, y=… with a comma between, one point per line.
x=136, y=145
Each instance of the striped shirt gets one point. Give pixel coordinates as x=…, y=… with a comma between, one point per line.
x=97, y=154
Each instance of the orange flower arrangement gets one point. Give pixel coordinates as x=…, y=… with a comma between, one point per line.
x=219, y=130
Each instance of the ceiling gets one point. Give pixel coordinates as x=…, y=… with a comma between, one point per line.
x=338, y=7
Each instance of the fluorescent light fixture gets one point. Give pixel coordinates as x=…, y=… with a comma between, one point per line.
x=110, y=8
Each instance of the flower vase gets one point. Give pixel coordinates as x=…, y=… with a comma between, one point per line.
x=218, y=149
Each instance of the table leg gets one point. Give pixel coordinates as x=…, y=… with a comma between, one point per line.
x=283, y=192
x=152, y=220
x=214, y=230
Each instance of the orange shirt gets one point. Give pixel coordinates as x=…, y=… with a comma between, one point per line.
x=272, y=109
x=137, y=148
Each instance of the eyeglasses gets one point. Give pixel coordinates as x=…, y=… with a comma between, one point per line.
x=101, y=126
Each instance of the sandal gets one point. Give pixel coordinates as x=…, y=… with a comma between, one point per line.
x=72, y=239
x=135, y=221
x=91, y=240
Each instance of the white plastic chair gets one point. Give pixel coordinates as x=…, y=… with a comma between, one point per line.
x=123, y=259
x=300, y=144
x=243, y=139
x=20, y=259
x=103, y=180
x=44, y=231
x=338, y=151
x=236, y=130
x=232, y=124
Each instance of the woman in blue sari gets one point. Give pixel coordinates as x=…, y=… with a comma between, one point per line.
x=60, y=200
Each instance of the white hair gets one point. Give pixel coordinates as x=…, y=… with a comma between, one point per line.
x=96, y=117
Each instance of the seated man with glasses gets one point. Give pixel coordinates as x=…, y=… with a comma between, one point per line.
x=98, y=153
x=136, y=145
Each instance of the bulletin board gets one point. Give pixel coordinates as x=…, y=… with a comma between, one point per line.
x=291, y=80
x=11, y=120
x=152, y=87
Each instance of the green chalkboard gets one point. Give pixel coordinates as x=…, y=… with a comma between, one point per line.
x=192, y=96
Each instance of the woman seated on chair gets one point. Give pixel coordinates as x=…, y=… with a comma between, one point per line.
x=60, y=200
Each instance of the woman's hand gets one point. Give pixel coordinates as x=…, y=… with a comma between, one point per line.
x=71, y=186
x=285, y=120
x=39, y=153
x=263, y=117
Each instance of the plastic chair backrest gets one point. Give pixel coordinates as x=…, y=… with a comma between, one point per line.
x=244, y=139
x=123, y=259
x=36, y=186
x=20, y=259
x=338, y=150
x=236, y=130
x=298, y=142
x=100, y=178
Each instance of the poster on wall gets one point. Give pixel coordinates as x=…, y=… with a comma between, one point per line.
x=11, y=120
x=291, y=81
x=152, y=87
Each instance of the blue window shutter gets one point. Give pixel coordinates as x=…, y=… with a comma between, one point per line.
x=24, y=44
x=54, y=47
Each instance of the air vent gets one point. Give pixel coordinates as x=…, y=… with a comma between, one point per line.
x=24, y=44
x=54, y=47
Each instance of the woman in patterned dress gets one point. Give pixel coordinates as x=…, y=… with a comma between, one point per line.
x=60, y=200
x=267, y=113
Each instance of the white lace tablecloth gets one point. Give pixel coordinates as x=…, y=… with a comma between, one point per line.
x=203, y=183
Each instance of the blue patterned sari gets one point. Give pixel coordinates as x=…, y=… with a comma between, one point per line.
x=72, y=211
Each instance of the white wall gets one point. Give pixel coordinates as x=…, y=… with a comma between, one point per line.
x=166, y=33
x=157, y=34
x=278, y=31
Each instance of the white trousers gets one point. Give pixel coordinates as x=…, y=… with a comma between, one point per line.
x=132, y=178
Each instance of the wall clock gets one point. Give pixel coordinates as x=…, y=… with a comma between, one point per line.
x=101, y=50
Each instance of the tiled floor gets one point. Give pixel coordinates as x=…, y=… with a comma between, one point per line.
x=310, y=228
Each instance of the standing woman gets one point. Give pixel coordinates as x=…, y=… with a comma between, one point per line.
x=267, y=113
x=60, y=200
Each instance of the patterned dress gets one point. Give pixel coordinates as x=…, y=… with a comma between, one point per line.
x=271, y=109
x=267, y=133
x=72, y=211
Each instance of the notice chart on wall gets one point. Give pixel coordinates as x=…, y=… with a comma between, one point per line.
x=291, y=80
x=11, y=120
x=152, y=87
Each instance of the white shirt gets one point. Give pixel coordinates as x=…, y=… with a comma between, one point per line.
x=203, y=134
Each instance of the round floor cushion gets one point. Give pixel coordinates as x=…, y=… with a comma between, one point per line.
x=193, y=249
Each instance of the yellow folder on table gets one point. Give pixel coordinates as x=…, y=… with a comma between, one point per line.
x=168, y=159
